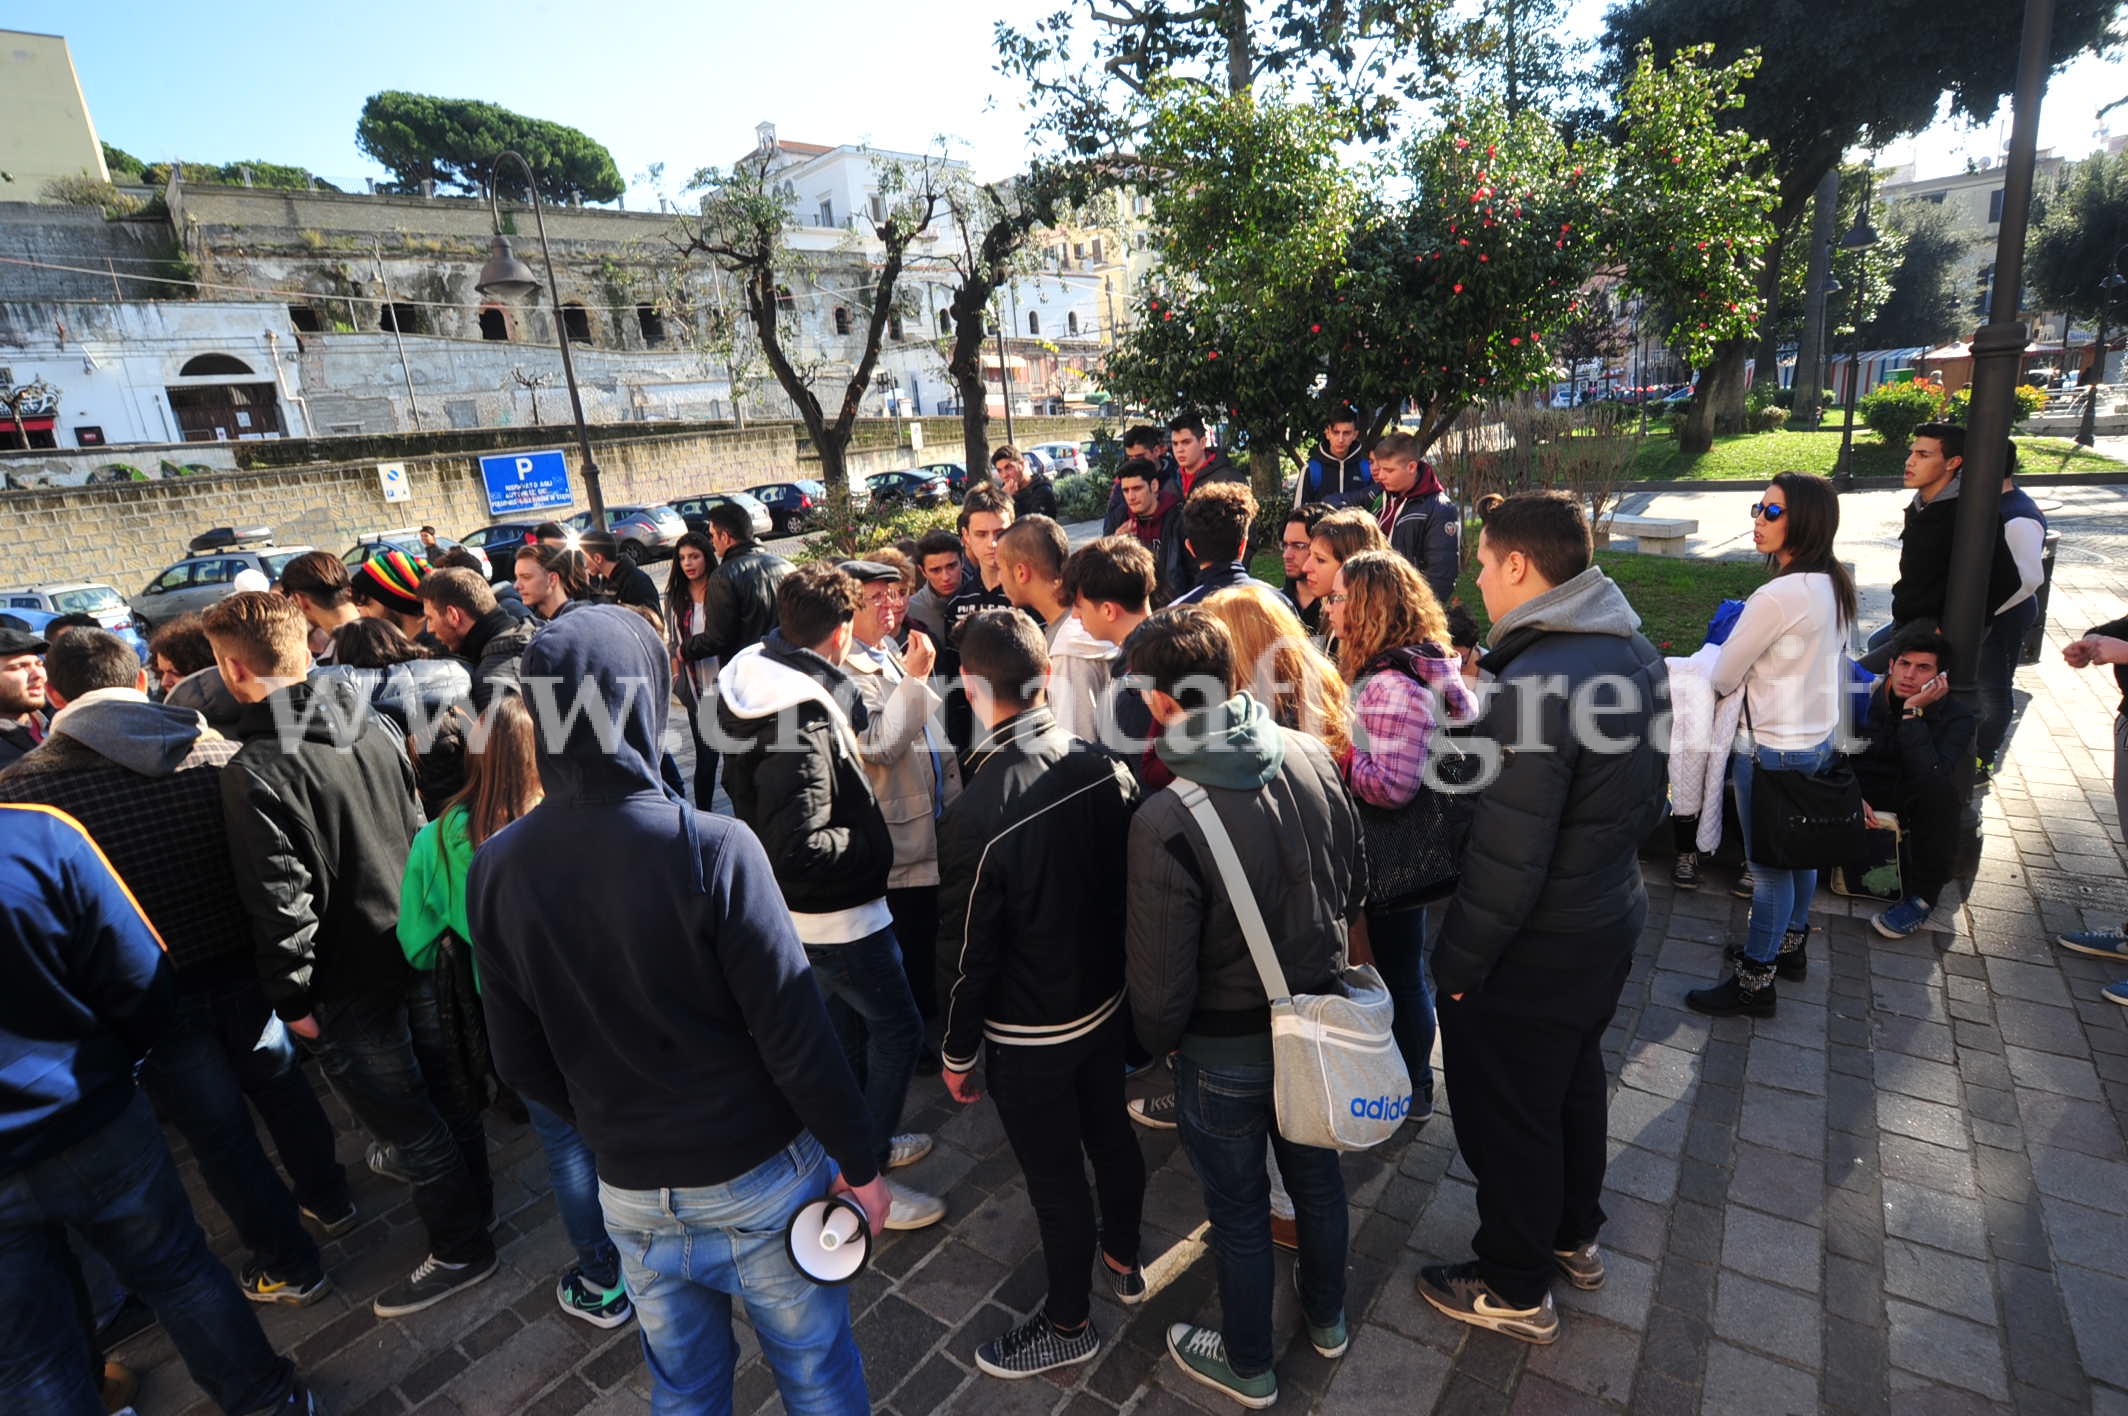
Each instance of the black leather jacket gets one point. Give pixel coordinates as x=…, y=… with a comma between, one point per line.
x=740, y=602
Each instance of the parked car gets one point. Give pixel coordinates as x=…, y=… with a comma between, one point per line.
x=646, y=533
x=1059, y=459
x=408, y=540
x=499, y=544
x=792, y=506
x=891, y=491
x=695, y=511
x=955, y=475
x=38, y=605
x=201, y=579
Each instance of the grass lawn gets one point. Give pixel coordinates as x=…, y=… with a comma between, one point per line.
x=1674, y=595
x=1757, y=456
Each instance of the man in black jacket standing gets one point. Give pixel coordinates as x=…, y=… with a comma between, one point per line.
x=1534, y=952
x=798, y=779
x=1935, y=471
x=626, y=583
x=1415, y=513
x=1039, y=979
x=462, y=612
x=319, y=802
x=1197, y=462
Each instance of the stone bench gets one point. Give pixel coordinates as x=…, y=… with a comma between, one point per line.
x=1657, y=535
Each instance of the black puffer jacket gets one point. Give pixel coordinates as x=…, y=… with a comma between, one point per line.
x=740, y=604
x=1553, y=852
x=1297, y=834
x=414, y=695
x=1042, y=817
x=1037, y=498
x=797, y=780
x=493, y=648
x=323, y=825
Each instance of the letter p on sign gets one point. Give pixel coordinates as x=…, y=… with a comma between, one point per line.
x=524, y=467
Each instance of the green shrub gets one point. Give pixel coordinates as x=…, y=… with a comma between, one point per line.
x=1894, y=410
x=2030, y=399
x=1106, y=455
x=836, y=540
x=1082, y=496
x=1769, y=419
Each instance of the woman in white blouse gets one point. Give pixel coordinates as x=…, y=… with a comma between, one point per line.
x=1787, y=651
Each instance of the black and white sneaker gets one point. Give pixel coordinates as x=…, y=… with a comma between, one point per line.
x=1461, y=1292
x=429, y=1284
x=1157, y=1112
x=1127, y=1284
x=1684, y=871
x=1035, y=1347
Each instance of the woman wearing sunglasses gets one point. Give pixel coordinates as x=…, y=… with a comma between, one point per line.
x=1787, y=653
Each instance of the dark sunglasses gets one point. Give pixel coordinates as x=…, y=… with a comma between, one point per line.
x=1770, y=511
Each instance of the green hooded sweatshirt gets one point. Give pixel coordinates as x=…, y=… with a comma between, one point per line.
x=1234, y=745
x=433, y=897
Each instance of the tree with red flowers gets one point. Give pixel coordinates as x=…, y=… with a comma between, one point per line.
x=1689, y=214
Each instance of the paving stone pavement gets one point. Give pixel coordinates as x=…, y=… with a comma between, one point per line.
x=1906, y=1193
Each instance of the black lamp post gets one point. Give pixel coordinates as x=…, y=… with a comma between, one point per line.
x=508, y=278
x=2109, y=290
x=1860, y=237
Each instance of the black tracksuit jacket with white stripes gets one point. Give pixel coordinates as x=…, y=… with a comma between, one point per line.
x=1031, y=889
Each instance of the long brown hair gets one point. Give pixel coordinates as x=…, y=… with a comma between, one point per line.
x=1813, y=522
x=502, y=773
x=1274, y=660
x=1387, y=606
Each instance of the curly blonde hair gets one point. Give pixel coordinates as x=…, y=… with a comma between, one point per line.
x=1274, y=660
x=1387, y=606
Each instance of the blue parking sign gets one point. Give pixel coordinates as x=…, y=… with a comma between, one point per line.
x=526, y=481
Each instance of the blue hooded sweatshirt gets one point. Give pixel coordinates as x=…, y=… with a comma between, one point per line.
x=84, y=987
x=639, y=971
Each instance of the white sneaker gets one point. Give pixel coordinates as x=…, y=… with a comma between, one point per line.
x=907, y=1149
x=913, y=1209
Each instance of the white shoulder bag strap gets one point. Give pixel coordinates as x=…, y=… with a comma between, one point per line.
x=1239, y=893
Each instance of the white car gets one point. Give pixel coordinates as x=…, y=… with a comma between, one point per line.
x=1061, y=459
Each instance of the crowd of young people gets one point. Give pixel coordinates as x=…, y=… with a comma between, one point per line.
x=953, y=846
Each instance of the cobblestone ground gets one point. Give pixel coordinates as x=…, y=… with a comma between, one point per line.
x=1907, y=1193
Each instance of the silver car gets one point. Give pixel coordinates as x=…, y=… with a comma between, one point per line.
x=79, y=597
x=198, y=581
x=645, y=533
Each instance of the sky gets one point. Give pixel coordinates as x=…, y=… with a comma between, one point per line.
x=681, y=84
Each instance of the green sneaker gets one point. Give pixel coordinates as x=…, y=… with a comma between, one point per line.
x=1328, y=1341
x=1202, y=1354
x=599, y=1306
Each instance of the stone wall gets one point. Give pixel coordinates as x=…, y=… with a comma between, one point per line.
x=123, y=534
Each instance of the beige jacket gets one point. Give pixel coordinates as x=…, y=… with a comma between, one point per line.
x=899, y=764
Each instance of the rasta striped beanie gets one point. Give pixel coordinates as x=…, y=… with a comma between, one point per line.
x=392, y=579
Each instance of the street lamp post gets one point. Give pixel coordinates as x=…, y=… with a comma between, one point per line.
x=2109, y=290
x=1997, y=349
x=508, y=278
x=1860, y=237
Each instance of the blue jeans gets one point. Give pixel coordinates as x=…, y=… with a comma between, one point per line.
x=688, y=1253
x=868, y=998
x=386, y=1054
x=574, y=1175
x=1997, y=674
x=225, y=1046
x=1226, y=1113
x=118, y=1189
x=1780, y=899
x=1398, y=940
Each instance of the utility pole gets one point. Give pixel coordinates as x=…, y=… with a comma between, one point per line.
x=1005, y=373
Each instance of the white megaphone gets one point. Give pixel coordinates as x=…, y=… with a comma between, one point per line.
x=830, y=1240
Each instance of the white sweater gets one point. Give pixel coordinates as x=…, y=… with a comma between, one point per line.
x=1786, y=651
